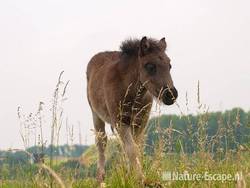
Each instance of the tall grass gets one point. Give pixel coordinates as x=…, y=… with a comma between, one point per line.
x=31, y=123
x=169, y=153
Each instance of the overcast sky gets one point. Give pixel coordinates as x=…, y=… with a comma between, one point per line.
x=207, y=41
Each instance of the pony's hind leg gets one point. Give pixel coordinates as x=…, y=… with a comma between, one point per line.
x=101, y=142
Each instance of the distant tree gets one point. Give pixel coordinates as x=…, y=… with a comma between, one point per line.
x=225, y=130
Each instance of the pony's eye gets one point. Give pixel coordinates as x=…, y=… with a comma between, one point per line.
x=150, y=68
x=170, y=66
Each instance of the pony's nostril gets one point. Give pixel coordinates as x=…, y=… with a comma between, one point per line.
x=168, y=98
x=168, y=94
x=174, y=92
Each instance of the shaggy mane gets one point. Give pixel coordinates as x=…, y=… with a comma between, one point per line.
x=130, y=47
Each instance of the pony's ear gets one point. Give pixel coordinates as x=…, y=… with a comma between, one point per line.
x=163, y=44
x=144, y=46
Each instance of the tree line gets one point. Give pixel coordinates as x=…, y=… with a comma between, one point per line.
x=208, y=131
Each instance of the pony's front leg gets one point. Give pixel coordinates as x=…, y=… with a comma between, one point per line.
x=131, y=150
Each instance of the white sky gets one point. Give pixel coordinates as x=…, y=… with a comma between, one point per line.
x=207, y=41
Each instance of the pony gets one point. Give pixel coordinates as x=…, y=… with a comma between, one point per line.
x=121, y=86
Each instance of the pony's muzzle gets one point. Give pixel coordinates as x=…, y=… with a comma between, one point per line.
x=169, y=96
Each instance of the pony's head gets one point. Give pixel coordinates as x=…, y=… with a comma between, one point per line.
x=154, y=70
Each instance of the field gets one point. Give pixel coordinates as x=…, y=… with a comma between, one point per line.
x=70, y=174
x=202, y=150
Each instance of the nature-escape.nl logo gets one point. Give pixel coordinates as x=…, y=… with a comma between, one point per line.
x=204, y=176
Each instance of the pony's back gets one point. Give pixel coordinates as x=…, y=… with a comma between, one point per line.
x=101, y=61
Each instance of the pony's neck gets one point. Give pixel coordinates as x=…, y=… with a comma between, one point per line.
x=129, y=71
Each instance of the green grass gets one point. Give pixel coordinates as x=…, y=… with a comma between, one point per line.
x=118, y=174
x=70, y=174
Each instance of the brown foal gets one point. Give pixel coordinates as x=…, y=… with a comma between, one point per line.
x=121, y=86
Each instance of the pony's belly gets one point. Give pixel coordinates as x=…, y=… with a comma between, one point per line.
x=101, y=110
x=105, y=118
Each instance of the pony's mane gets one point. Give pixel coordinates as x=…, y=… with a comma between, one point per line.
x=130, y=47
